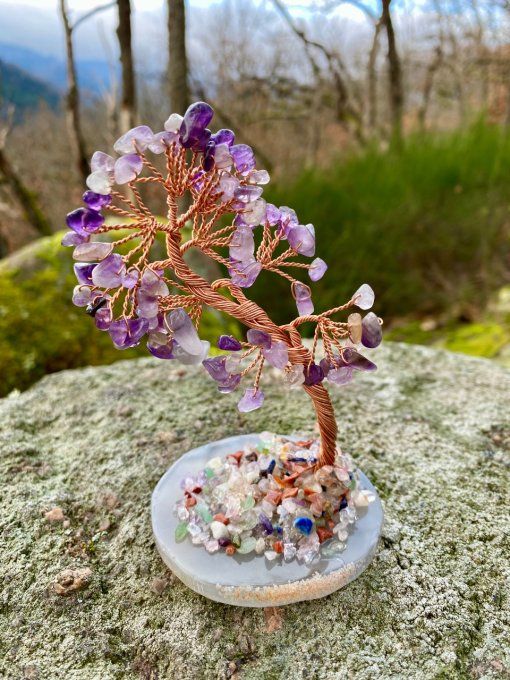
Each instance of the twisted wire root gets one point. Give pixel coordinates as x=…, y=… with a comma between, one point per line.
x=251, y=315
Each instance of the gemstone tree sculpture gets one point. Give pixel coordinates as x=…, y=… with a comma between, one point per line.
x=160, y=301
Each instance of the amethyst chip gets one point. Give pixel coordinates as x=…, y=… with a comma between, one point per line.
x=259, y=338
x=371, y=331
x=229, y=343
x=356, y=360
x=83, y=271
x=313, y=374
x=96, y=201
x=193, y=133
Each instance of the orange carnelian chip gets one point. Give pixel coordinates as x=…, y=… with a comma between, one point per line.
x=274, y=497
x=305, y=444
x=324, y=534
x=220, y=517
x=290, y=479
x=289, y=493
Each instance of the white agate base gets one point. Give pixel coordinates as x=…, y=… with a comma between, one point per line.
x=251, y=580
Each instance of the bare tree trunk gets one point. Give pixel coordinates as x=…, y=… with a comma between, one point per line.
x=4, y=247
x=127, y=116
x=454, y=63
x=177, y=58
x=73, y=99
x=25, y=198
x=394, y=73
x=507, y=106
x=483, y=55
x=372, y=79
x=433, y=67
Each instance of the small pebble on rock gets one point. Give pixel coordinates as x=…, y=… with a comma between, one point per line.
x=56, y=514
x=158, y=585
x=71, y=580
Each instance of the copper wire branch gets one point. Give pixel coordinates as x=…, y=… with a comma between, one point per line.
x=207, y=235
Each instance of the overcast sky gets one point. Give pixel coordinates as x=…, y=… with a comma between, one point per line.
x=87, y=4
x=139, y=4
x=35, y=24
x=150, y=5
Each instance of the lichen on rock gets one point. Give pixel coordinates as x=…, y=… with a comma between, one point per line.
x=430, y=429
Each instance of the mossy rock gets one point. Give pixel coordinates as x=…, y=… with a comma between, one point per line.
x=41, y=331
x=478, y=339
x=490, y=339
x=412, y=332
x=430, y=428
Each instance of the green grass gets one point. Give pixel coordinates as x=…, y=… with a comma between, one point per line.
x=428, y=226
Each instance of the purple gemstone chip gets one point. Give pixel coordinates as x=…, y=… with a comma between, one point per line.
x=265, y=523
x=215, y=366
x=127, y=332
x=72, y=238
x=230, y=384
x=223, y=136
x=229, y=343
x=313, y=374
x=83, y=271
x=161, y=351
x=244, y=274
x=193, y=133
x=371, y=331
x=243, y=157
x=356, y=360
x=96, y=201
x=259, y=338
x=251, y=400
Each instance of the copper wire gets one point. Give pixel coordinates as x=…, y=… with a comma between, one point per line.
x=197, y=292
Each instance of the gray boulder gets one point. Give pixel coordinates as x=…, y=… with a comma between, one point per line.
x=84, y=594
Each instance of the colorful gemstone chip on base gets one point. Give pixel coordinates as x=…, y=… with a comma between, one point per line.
x=255, y=567
x=271, y=500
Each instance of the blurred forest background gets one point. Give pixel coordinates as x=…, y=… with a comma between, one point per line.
x=385, y=123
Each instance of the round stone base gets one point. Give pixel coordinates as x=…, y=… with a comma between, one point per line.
x=250, y=580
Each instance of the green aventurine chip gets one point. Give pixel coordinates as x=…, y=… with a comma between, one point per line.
x=180, y=531
x=204, y=513
x=249, y=502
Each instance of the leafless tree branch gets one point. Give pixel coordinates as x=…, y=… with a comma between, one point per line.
x=394, y=72
x=91, y=13
x=346, y=111
x=73, y=98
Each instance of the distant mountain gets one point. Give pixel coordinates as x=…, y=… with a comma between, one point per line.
x=93, y=75
x=19, y=88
